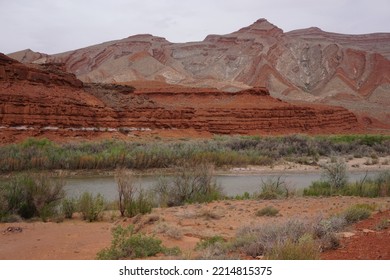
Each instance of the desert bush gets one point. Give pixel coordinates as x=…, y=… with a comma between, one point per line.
x=126, y=189
x=169, y=230
x=209, y=242
x=382, y=180
x=383, y=224
x=357, y=213
x=132, y=200
x=273, y=189
x=32, y=195
x=69, y=206
x=305, y=248
x=142, y=204
x=189, y=184
x=128, y=244
x=214, y=248
x=3, y=205
x=244, y=196
x=331, y=225
x=325, y=230
x=335, y=173
x=91, y=207
x=318, y=188
x=209, y=214
x=269, y=211
x=217, y=251
x=259, y=240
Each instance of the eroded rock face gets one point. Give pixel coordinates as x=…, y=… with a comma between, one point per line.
x=36, y=101
x=305, y=65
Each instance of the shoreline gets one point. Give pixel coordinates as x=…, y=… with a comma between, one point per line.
x=355, y=165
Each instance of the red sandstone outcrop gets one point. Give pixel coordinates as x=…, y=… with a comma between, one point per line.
x=37, y=101
x=304, y=65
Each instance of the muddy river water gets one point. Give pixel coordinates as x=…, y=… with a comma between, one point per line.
x=232, y=185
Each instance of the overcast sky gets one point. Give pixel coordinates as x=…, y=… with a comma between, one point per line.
x=53, y=26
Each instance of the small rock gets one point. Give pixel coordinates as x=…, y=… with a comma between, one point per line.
x=367, y=230
x=346, y=234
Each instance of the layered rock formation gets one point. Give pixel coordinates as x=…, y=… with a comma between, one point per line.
x=45, y=100
x=305, y=65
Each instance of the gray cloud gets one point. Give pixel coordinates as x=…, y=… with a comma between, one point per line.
x=54, y=26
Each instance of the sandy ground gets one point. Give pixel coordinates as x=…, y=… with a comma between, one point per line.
x=179, y=226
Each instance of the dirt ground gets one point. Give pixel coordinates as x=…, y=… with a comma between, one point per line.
x=185, y=226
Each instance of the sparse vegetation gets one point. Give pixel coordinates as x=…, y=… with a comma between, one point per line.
x=383, y=224
x=268, y=211
x=305, y=248
x=325, y=230
x=260, y=240
x=169, y=230
x=209, y=242
x=221, y=151
x=214, y=248
x=377, y=186
x=126, y=244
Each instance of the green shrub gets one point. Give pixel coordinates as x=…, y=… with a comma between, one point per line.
x=273, y=189
x=335, y=173
x=269, y=211
x=221, y=151
x=91, y=207
x=318, y=188
x=189, y=184
x=142, y=204
x=69, y=206
x=129, y=245
x=209, y=242
x=132, y=200
x=244, y=196
x=378, y=186
x=31, y=195
x=357, y=213
x=214, y=248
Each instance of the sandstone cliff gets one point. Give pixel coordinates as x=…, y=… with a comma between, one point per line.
x=44, y=100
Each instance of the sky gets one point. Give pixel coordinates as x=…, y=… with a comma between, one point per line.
x=54, y=26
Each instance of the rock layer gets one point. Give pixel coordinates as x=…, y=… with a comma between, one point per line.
x=39, y=100
x=304, y=65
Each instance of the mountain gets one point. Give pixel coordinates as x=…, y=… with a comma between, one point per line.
x=308, y=65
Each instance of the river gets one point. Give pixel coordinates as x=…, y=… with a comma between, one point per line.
x=232, y=185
